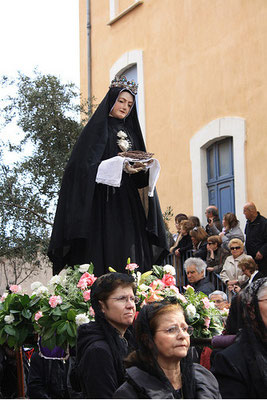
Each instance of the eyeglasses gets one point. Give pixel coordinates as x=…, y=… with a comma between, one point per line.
x=217, y=301
x=262, y=300
x=125, y=299
x=235, y=248
x=174, y=330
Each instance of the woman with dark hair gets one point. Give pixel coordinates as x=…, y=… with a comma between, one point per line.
x=216, y=254
x=199, y=240
x=100, y=217
x=249, y=268
x=241, y=369
x=161, y=367
x=185, y=243
x=103, y=344
x=231, y=229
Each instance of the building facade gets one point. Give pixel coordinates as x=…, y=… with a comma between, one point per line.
x=201, y=69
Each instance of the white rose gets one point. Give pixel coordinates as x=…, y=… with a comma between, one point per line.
x=35, y=285
x=9, y=318
x=84, y=268
x=41, y=290
x=81, y=319
x=190, y=311
x=55, y=280
x=169, y=269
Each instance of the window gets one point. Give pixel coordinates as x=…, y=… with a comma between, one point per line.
x=119, y=8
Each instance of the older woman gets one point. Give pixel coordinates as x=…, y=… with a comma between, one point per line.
x=102, y=345
x=250, y=269
x=241, y=368
x=199, y=240
x=230, y=273
x=161, y=367
x=216, y=254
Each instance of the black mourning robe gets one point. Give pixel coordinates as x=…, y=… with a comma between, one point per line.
x=103, y=224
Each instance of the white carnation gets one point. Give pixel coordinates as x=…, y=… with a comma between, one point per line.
x=55, y=280
x=169, y=269
x=81, y=319
x=9, y=318
x=41, y=290
x=190, y=311
x=35, y=285
x=84, y=268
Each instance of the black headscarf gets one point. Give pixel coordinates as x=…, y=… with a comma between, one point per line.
x=254, y=335
x=145, y=357
x=72, y=219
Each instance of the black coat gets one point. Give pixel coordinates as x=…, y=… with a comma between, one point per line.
x=234, y=368
x=141, y=385
x=98, y=369
x=201, y=251
x=204, y=285
x=184, y=245
x=256, y=240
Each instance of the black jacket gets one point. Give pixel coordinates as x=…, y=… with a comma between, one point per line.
x=49, y=379
x=141, y=385
x=235, y=370
x=204, y=285
x=184, y=245
x=256, y=239
x=98, y=370
x=201, y=251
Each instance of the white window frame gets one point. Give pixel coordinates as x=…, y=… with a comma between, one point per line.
x=113, y=10
x=127, y=60
x=219, y=129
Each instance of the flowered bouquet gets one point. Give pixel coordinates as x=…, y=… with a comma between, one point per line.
x=159, y=283
x=55, y=311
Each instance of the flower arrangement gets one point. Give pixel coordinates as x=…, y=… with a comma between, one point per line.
x=159, y=283
x=55, y=311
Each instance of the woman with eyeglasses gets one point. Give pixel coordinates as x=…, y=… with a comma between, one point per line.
x=161, y=367
x=216, y=254
x=103, y=344
x=241, y=369
x=231, y=274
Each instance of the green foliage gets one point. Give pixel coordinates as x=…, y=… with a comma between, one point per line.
x=48, y=114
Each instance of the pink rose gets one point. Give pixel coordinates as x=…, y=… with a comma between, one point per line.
x=207, y=322
x=206, y=302
x=54, y=301
x=38, y=315
x=86, y=280
x=15, y=288
x=157, y=284
x=86, y=295
x=91, y=311
x=4, y=296
x=168, y=280
x=131, y=267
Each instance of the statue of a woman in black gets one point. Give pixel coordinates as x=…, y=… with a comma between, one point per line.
x=106, y=223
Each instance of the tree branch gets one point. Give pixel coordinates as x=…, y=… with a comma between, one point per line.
x=28, y=209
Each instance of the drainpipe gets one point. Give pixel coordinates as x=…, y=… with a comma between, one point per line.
x=88, y=28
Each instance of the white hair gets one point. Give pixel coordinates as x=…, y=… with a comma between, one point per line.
x=219, y=293
x=197, y=262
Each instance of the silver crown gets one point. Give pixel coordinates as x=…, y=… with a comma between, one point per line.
x=121, y=81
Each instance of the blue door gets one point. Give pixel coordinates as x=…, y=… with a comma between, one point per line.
x=221, y=176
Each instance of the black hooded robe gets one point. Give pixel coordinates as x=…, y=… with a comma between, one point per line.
x=103, y=224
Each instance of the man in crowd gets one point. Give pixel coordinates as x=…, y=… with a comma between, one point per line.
x=256, y=236
x=195, y=269
x=212, y=215
x=220, y=299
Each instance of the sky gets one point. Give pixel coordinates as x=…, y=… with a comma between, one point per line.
x=42, y=34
